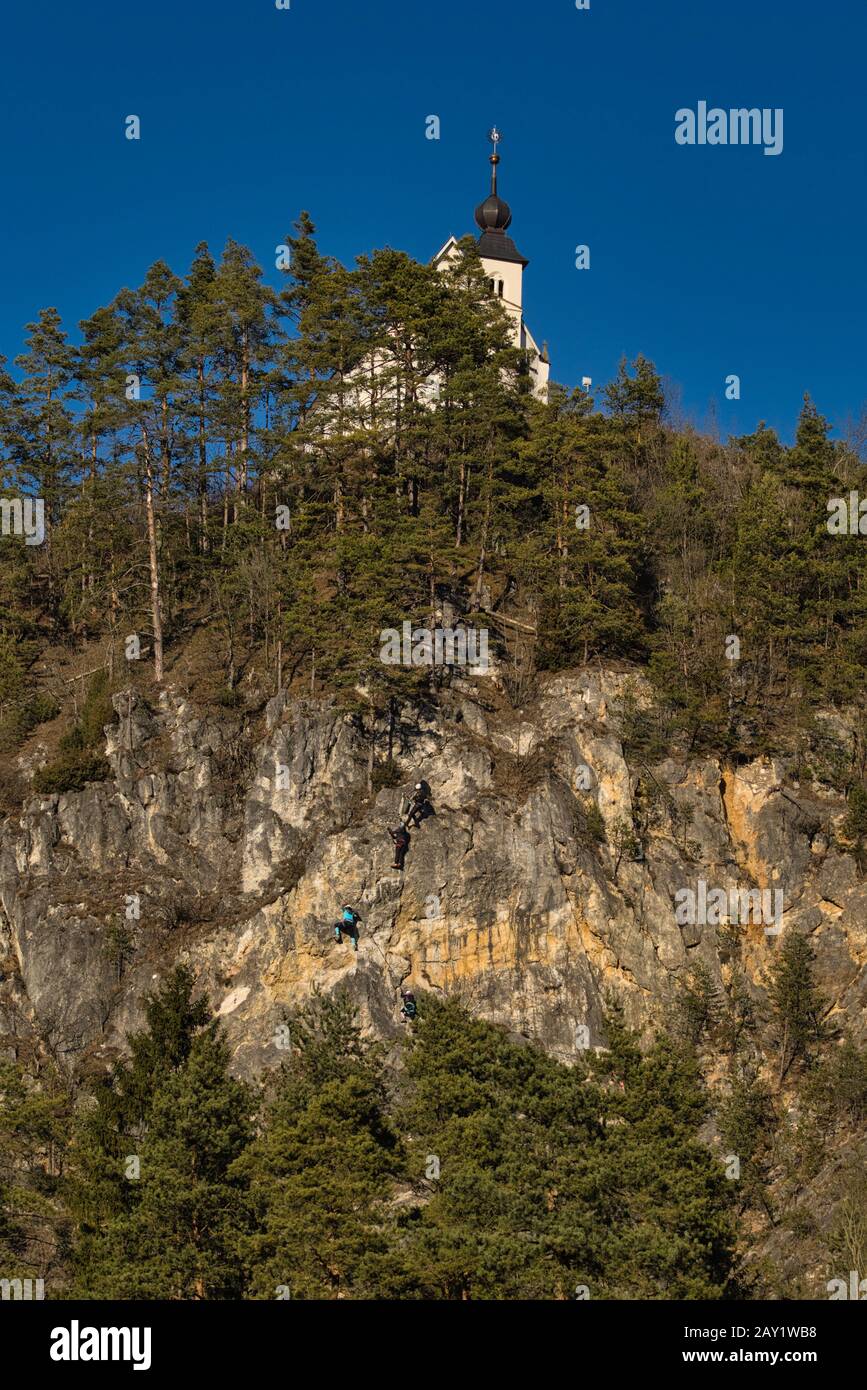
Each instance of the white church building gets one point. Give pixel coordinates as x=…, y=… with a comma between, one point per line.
x=372, y=383
x=504, y=266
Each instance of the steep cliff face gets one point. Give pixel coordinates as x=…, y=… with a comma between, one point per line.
x=236, y=847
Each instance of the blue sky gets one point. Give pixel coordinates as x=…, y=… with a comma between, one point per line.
x=711, y=261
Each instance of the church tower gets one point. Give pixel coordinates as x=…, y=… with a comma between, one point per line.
x=504, y=266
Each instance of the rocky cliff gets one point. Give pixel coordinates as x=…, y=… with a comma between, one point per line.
x=547, y=877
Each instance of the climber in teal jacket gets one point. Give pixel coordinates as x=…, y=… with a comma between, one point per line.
x=348, y=926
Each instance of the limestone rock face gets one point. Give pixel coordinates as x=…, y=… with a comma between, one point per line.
x=234, y=847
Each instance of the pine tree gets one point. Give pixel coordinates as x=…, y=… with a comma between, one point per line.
x=111, y=1129
x=152, y=351
x=491, y=1124
x=798, y=1008
x=180, y=1238
x=33, y=1123
x=672, y=1234
x=590, y=595
x=94, y=539
x=41, y=434
x=697, y=1005
x=546, y=1180
x=636, y=402
x=320, y=1172
x=810, y=465
x=241, y=322
x=748, y=1123
x=198, y=320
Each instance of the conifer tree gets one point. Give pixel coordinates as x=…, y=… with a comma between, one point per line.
x=636, y=402
x=198, y=319
x=112, y=1127
x=34, y=1122
x=545, y=1180
x=748, y=1124
x=42, y=433
x=319, y=1174
x=591, y=589
x=153, y=419
x=798, y=1008
x=242, y=311
x=179, y=1239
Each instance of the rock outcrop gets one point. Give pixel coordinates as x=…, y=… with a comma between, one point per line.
x=547, y=877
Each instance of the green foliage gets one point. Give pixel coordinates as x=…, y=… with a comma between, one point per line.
x=78, y=761
x=639, y=396
x=798, y=1008
x=33, y=1125
x=320, y=1172
x=96, y=710
x=589, y=583
x=40, y=709
x=23, y=707
x=594, y=823
x=548, y=1180
x=624, y=843
x=70, y=771
x=641, y=731
x=384, y=411
x=855, y=822
x=196, y=1132
x=748, y=1125
x=387, y=774
x=119, y=945
x=179, y=1237
x=495, y=1172
x=836, y=1089
x=481, y=1169
x=697, y=1006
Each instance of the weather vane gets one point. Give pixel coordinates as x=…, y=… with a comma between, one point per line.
x=495, y=137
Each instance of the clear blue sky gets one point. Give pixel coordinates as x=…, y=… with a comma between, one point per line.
x=711, y=261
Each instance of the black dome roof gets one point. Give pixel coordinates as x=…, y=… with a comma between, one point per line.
x=493, y=215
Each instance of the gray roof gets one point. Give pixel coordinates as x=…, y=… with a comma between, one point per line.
x=496, y=246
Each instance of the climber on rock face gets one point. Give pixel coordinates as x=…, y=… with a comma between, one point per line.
x=409, y=1009
x=348, y=926
x=400, y=838
x=420, y=806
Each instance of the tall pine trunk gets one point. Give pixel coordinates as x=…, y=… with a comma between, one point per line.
x=202, y=480
x=483, y=542
x=245, y=414
x=153, y=559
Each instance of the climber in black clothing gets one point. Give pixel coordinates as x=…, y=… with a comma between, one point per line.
x=420, y=806
x=409, y=1009
x=400, y=837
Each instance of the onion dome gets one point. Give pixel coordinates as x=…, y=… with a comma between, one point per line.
x=494, y=216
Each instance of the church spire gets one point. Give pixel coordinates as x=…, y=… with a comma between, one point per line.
x=494, y=216
x=495, y=138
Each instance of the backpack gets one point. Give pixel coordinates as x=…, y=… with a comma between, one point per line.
x=350, y=916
